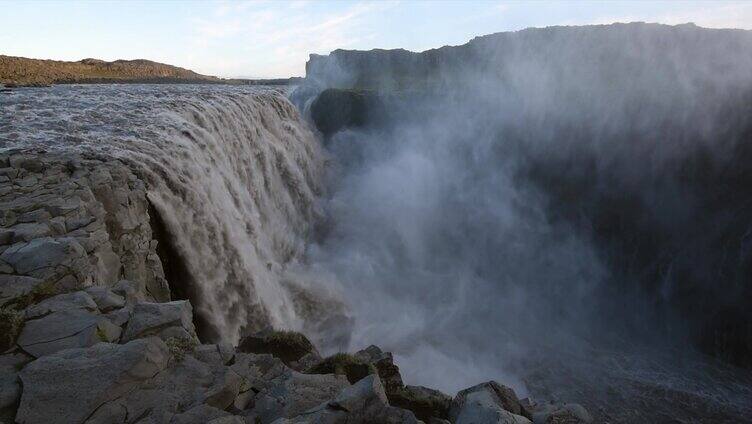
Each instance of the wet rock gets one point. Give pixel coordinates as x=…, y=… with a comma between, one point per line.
x=257, y=371
x=13, y=287
x=129, y=291
x=221, y=353
x=225, y=389
x=364, y=402
x=165, y=320
x=69, y=386
x=384, y=362
x=182, y=386
x=105, y=298
x=487, y=403
x=38, y=256
x=292, y=393
x=63, y=302
x=65, y=330
x=294, y=349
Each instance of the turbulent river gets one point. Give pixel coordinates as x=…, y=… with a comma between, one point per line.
x=451, y=267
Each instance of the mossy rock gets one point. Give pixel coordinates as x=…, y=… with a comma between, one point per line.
x=344, y=364
x=289, y=346
x=180, y=346
x=11, y=322
x=425, y=403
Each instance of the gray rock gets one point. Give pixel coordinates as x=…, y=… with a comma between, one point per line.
x=66, y=330
x=10, y=387
x=384, y=363
x=62, y=302
x=501, y=395
x=220, y=354
x=292, y=393
x=482, y=404
x=165, y=320
x=36, y=256
x=363, y=402
x=14, y=286
x=69, y=386
x=105, y=298
x=225, y=389
x=181, y=386
x=28, y=231
x=119, y=316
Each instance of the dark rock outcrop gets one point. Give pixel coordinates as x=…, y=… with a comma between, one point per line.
x=292, y=348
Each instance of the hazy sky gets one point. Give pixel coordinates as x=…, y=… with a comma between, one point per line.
x=274, y=38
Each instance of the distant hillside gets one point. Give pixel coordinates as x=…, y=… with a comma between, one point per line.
x=24, y=71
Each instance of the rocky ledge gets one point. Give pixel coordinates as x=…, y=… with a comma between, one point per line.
x=91, y=333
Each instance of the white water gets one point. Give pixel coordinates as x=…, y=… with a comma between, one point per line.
x=233, y=172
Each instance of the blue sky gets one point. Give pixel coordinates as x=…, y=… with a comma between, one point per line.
x=273, y=38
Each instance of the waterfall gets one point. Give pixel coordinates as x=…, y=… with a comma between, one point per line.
x=232, y=174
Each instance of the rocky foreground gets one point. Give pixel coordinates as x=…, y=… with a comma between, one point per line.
x=90, y=331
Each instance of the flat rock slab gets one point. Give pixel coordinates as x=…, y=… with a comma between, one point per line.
x=165, y=320
x=293, y=393
x=65, y=330
x=79, y=300
x=41, y=253
x=68, y=386
x=106, y=299
x=14, y=286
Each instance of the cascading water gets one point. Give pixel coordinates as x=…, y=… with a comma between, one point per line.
x=232, y=174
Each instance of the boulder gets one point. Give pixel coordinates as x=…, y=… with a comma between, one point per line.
x=364, y=402
x=257, y=371
x=65, y=330
x=224, y=390
x=293, y=348
x=106, y=299
x=79, y=300
x=129, y=291
x=69, y=386
x=165, y=320
x=220, y=354
x=292, y=393
x=49, y=258
x=179, y=387
x=15, y=288
x=384, y=362
x=487, y=403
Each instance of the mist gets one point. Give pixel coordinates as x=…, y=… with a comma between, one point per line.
x=569, y=197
